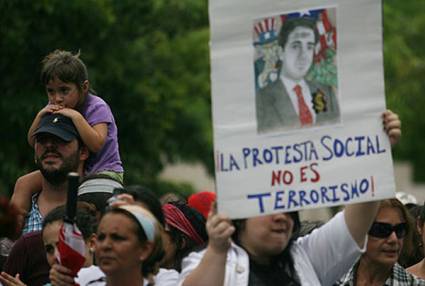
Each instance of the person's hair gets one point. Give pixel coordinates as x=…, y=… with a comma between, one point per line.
x=149, y=199
x=85, y=218
x=409, y=249
x=67, y=67
x=151, y=265
x=290, y=24
x=283, y=262
x=418, y=215
x=185, y=244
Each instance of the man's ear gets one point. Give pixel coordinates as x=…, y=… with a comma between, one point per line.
x=84, y=153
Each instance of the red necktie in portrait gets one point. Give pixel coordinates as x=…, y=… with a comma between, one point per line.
x=304, y=113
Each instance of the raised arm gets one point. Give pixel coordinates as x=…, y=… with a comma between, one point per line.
x=212, y=267
x=359, y=217
x=25, y=187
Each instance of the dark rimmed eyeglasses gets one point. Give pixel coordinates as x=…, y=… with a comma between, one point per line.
x=384, y=230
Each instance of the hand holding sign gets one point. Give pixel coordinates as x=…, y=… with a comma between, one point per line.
x=219, y=229
x=392, y=126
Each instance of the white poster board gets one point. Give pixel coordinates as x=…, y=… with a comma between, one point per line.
x=297, y=108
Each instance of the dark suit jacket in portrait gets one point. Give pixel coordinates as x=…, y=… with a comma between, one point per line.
x=275, y=111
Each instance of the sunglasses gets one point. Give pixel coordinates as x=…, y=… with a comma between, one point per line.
x=384, y=230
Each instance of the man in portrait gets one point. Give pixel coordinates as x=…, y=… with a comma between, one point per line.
x=292, y=101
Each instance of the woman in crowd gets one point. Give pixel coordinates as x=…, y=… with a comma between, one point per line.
x=265, y=251
x=412, y=244
x=185, y=231
x=142, y=198
x=378, y=265
x=28, y=264
x=419, y=268
x=86, y=221
x=128, y=248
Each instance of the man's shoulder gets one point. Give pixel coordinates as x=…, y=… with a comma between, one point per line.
x=273, y=93
x=315, y=85
x=274, y=86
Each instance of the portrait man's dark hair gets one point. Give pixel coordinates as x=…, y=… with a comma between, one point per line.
x=290, y=24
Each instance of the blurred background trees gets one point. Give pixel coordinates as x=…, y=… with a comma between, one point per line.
x=404, y=57
x=150, y=61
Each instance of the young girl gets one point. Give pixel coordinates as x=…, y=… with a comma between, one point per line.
x=68, y=90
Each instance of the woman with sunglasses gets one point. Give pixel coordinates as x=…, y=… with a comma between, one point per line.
x=378, y=265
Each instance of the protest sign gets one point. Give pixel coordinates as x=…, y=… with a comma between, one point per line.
x=297, y=98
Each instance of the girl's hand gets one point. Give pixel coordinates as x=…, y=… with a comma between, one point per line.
x=219, y=229
x=68, y=112
x=392, y=126
x=60, y=276
x=50, y=108
x=9, y=280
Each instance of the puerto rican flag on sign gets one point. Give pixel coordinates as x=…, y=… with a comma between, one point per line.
x=71, y=247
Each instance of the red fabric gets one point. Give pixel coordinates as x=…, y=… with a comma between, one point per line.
x=71, y=248
x=304, y=113
x=175, y=218
x=202, y=202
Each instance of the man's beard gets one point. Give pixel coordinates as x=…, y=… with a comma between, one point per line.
x=59, y=176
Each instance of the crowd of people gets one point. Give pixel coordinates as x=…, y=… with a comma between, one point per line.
x=132, y=237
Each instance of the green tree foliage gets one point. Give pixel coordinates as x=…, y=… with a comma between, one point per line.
x=148, y=59
x=404, y=57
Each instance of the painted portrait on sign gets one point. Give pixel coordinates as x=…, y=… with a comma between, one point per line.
x=295, y=68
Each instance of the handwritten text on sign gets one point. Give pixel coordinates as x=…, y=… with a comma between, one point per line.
x=299, y=164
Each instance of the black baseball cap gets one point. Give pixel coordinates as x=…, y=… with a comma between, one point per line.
x=58, y=125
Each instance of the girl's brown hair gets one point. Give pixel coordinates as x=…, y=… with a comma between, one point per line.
x=68, y=68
